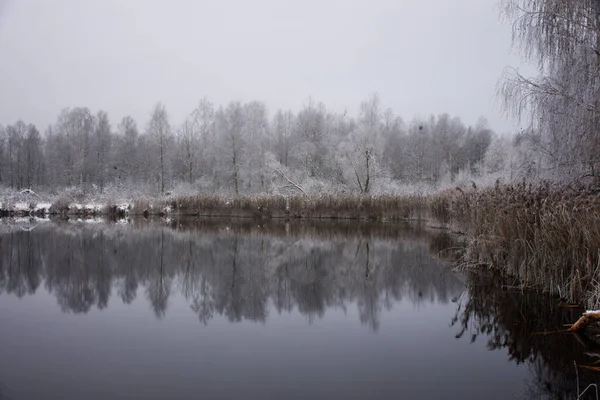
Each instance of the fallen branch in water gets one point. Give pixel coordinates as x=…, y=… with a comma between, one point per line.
x=588, y=317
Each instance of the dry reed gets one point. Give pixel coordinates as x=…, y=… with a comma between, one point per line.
x=547, y=237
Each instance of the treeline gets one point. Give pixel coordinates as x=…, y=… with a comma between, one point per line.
x=241, y=149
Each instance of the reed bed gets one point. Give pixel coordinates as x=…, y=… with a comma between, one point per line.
x=388, y=208
x=547, y=237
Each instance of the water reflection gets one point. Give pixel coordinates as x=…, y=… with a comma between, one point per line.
x=525, y=325
x=235, y=270
x=393, y=279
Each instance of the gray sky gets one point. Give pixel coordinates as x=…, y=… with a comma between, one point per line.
x=123, y=56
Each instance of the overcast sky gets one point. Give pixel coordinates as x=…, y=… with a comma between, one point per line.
x=123, y=56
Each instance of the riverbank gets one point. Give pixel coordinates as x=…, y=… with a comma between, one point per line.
x=546, y=237
x=374, y=208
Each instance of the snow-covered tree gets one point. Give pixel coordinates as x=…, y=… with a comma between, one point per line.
x=563, y=102
x=159, y=130
x=230, y=125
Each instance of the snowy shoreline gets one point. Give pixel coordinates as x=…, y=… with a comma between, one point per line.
x=375, y=208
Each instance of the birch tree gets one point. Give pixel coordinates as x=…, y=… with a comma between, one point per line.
x=310, y=133
x=256, y=135
x=102, y=149
x=160, y=131
x=203, y=118
x=366, y=143
x=128, y=152
x=16, y=135
x=2, y=153
x=283, y=124
x=188, y=138
x=33, y=157
x=231, y=122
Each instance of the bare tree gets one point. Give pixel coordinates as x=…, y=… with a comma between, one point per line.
x=311, y=129
x=102, y=148
x=231, y=123
x=15, y=153
x=127, y=155
x=160, y=130
x=188, y=137
x=204, y=120
x=366, y=144
x=2, y=153
x=283, y=125
x=256, y=133
x=33, y=156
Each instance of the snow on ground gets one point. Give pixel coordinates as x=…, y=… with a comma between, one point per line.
x=93, y=207
x=41, y=207
x=21, y=207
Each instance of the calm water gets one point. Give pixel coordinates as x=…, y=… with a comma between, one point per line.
x=229, y=310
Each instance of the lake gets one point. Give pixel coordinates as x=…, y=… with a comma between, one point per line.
x=223, y=309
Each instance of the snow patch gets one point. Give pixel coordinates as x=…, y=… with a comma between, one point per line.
x=592, y=312
x=22, y=207
x=41, y=207
x=92, y=207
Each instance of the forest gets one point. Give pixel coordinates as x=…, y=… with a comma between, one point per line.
x=247, y=148
x=242, y=149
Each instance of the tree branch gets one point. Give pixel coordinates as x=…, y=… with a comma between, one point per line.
x=294, y=184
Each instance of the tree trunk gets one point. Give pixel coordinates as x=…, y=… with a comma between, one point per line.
x=368, y=178
x=235, y=174
x=162, y=168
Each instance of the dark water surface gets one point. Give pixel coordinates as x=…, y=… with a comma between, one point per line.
x=232, y=310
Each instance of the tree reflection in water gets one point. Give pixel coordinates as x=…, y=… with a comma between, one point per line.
x=246, y=269
x=526, y=325
x=232, y=269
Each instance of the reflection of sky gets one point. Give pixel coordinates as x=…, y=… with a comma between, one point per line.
x=124, y=351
